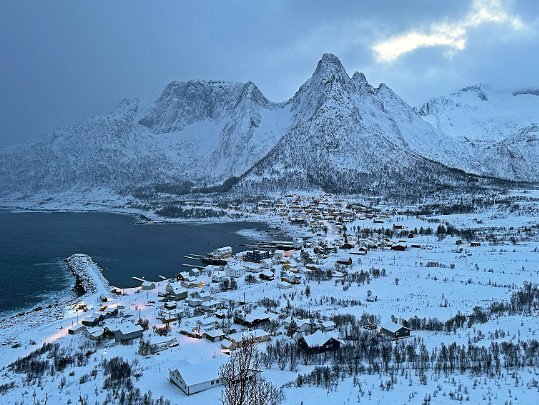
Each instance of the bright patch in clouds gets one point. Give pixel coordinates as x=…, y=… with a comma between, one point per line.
x=453, y=35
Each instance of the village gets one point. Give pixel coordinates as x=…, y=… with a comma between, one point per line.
x=349, y=274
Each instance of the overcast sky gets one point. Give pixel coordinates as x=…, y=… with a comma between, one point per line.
x=62, y=61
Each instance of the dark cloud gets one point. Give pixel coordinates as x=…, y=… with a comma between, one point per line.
x=65, y=60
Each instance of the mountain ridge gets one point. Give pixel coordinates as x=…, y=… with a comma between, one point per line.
x=337, y=132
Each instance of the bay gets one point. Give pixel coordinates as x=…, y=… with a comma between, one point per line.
x=33, y=246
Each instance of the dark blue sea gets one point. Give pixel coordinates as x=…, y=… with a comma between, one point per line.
x=33, y=246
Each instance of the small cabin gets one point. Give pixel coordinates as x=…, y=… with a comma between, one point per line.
x=394, y=330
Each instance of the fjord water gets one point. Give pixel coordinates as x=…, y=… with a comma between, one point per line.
x=33, y=246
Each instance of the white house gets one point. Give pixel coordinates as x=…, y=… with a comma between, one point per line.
x=176, y=291
x=305, y=325
x=211, y=305
x=234, y=269
x=327, y=326
x=258, y=335
x=199, y=377
x=222, y=252
x=218, y=276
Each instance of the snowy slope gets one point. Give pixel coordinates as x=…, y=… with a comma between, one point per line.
x=501, y=127
x=480, y=113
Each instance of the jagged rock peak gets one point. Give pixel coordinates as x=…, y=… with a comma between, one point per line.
x=361, y=82
x=329, y=70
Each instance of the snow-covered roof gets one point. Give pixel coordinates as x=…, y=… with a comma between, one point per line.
x=157, y=340
x=392, y=326
x=126, y=328
x=214, y=332
x=301, y=322
x=236, y=337
x=318, y=339
x=328, y=324
x=203, y=372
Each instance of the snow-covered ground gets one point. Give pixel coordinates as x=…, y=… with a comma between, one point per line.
x=436, y=278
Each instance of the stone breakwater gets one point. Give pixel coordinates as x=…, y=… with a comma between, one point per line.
x=88, y=275
x=88, y=280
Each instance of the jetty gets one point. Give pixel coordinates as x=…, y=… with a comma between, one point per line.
x=89, y=276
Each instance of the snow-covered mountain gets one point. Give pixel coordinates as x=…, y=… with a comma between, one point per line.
x=194, y=132
x=500, y=126
x=348, y=137
x=336, y=133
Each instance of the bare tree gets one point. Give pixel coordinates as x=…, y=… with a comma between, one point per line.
x=241, y=378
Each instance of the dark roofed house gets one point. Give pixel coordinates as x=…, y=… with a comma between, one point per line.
x=394, y=330
x=93, y=320
x=319, y=342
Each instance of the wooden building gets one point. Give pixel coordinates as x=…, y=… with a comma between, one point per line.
x=394, y=330
x=319, y=342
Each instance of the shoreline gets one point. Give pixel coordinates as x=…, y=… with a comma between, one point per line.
x=88, y=281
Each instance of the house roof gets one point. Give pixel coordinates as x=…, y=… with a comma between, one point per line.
x=318, y=339
x=126, y=328
x=214, y=333
x=392, y=326
x=301, y=322
x=157, y=340
x=203, y=372
x=178, y=289
x=236, y=337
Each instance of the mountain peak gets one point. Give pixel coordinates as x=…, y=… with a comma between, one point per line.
x=361, y=82
x=329, y=66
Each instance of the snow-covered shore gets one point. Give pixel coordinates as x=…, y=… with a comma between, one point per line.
x=22, y=331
